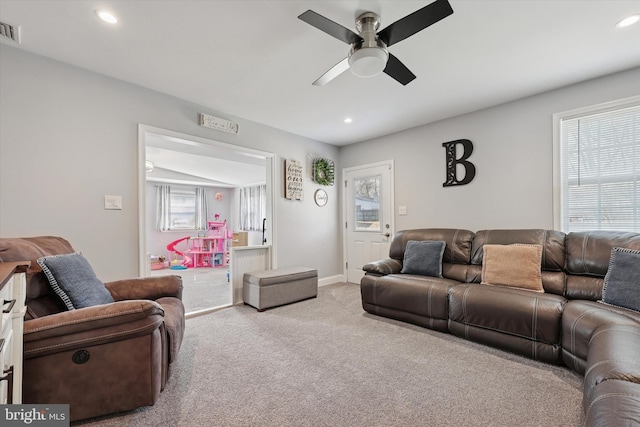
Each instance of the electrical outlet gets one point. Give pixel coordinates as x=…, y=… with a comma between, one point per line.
x=402, y=210
x=113, y=202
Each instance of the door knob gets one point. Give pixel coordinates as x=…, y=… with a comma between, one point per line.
x=385, y=234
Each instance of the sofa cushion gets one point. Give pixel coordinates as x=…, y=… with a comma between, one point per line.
x=580, y=321
x=613, y=403
x=622, y=281
x=517, y=320
x=74, y=281
x=516, y=266
x=423, y=258
x=613, y=355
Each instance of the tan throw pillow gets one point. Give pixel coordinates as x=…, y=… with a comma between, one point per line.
x=517, y=266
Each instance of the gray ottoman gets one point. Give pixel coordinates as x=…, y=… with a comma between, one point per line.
x=270, y=288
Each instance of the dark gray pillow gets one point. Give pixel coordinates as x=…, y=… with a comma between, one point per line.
x=74, y=281
x=423, y=257
x=622, y=281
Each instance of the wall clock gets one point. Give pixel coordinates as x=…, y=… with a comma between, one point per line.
x=321, y=198
x=323, y=171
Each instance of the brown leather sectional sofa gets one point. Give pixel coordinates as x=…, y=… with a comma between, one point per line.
x=565, y=324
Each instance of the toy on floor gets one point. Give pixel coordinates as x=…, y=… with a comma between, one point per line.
x=186, y=260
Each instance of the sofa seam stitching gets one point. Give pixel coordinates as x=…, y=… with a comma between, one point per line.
x=96, y=338
x=72, y=322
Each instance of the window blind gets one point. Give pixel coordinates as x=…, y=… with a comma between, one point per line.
x=600, y=170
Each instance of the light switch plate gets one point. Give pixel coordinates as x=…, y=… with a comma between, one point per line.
x=113, y=202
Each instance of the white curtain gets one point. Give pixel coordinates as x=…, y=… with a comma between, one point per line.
x=253, y=207
x=163, y=208
x=201, y=209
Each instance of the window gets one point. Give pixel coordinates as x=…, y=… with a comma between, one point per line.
x=253, y=207
x=599, y=168
x=181, y=208
x=367, y=203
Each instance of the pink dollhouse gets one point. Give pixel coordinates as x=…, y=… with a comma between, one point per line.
x=211, y=250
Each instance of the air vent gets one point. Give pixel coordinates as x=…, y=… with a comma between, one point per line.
x=9, y=32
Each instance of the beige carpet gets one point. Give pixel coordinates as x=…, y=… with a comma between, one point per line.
x=324, y=362
x=203, y=288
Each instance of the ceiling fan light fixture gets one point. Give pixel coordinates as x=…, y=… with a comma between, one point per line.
x=368, y=61
x=629, y=20
x=106, y=16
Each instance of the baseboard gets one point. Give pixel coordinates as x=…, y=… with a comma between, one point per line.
x=331, y=279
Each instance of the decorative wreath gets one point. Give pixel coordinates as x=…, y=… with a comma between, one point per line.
x=323, y=171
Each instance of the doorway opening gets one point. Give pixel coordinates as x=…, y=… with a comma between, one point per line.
x=184, y=165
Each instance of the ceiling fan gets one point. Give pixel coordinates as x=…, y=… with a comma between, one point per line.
x=368, y=55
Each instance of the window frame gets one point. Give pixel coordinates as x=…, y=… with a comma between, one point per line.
x=182, y=191
x=558, y=118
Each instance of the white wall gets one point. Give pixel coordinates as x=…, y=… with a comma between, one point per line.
x=513, y=155
x=69, y=136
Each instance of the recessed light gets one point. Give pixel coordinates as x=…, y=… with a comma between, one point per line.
x=629, y=20
x=106, y=16
x=348, y=120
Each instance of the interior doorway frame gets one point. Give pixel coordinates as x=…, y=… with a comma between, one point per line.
x=270, y=166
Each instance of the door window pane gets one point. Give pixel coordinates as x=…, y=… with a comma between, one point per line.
x=367, y=203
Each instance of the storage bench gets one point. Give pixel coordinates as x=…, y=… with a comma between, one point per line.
x=271, y=288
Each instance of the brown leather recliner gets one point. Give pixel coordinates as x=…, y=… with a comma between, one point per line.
x=101, y=359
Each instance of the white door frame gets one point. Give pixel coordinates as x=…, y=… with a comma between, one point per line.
x=270, y=161
x=345, y=202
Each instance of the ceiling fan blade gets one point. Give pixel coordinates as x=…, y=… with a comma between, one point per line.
x=398, y=71
x=415, y=22
x=329, y=27
x=334, y=72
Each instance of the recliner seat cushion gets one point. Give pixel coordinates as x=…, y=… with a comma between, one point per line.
x=419, y=300
x=530, y=316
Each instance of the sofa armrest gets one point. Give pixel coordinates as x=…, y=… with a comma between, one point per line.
x=91, y=326
x=146, y=288
x=383, y=267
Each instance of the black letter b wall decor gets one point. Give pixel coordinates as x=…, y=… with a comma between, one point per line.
x=453, y=162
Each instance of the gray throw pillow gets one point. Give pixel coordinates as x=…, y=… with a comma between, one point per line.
x=74, y=281
x=423, y=257
x=622, y=281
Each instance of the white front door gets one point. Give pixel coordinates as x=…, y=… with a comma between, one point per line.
x=368, y=214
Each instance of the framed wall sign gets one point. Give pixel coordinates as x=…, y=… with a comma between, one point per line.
x=293, y=180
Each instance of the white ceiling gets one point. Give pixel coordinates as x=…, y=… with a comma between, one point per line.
x=257, y=60
x=189, y=162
